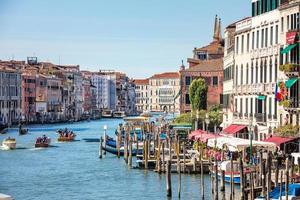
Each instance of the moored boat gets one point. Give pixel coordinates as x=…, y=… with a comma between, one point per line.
x=42, y=142
x=9, y=143
x=107, y=113
x=119, y=114
x=3, y=129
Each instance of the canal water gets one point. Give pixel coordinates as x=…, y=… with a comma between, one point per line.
x=74, y=171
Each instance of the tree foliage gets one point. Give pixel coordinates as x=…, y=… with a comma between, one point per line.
x=198, y=94
x=215, y=115
x=287, y=131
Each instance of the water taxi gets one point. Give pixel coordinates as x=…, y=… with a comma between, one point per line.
x=107, y=113
x=9, y=143
x=42, y=142
x=119, y=114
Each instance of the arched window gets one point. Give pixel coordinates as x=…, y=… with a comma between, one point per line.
x=247, y=74
x=242, y=75
x=252, y=73
x=271, y=70
x=236, y=75
x=265, y=71
x=256, y=72
x=261, y=71
x=275, y=67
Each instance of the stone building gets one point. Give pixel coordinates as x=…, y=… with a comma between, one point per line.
x=207, y=63
x=10, y=95
x=163, y=90
x=142, y=95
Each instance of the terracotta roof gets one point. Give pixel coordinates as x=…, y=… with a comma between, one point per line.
x=170, y=75
x=207, y=66
x=141, y=81
x=214, y=47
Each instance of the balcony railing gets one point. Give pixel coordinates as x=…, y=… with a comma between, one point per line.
x=260, y=117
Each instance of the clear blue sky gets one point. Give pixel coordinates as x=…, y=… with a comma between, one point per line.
x=138, y=37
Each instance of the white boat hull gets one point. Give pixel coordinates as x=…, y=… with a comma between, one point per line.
x=9, y=145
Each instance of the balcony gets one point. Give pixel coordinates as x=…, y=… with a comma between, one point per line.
x=290, y=69
x=261, y=117
x=269, y=88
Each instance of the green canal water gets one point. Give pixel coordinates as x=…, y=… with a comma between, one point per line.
x=74, y=171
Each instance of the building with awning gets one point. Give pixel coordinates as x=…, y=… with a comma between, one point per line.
x=286, y=144
x=234, y=144
x=236, y=130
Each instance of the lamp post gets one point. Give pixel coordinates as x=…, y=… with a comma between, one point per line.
x=207, y=121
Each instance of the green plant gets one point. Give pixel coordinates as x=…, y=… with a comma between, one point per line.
x=285, y=103
x=198, y=94
x=287, y=67
x=287, y=131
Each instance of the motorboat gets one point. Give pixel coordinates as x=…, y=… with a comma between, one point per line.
x=66, y=135
x=119, y=114
x=107, y=113
x=9, y=143
x=42, y=142
x=279, y=193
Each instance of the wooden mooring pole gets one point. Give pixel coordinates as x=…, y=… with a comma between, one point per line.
x=168, y=179
x=100, y=147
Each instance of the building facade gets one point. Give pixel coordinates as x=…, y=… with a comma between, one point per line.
x=164, y=88
x=142, y=95
x=10, y=95
x=207, y=63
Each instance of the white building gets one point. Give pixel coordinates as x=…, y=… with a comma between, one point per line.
x=164, y=92
x=289, y=62
x=256, y=57
x=105, y=83
x=142, y=95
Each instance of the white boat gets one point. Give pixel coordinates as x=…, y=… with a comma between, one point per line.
x=107, y=113
x=119, y=114
x=5, y=197
x=9, y=143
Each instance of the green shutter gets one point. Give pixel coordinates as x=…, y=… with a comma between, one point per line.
x=289, y=83
x=261, y=97
x=288, y=48
x=268, y=5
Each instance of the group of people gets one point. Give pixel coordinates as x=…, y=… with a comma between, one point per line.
x=43, y=139
x=65, y=133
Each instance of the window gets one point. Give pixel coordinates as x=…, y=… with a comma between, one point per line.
x=266, y=37
x=246, y=106
x=261, y=71
x=253, y=40
x=187, y=99
x=262, y=38
x=276, y=34
x=270, y=106
x=242, y=48
x=247, y=74
x=241, y=105
x=215, y=81
x=253, y=9
x=270, y=71
x=248, y=42
x=257, y=39
x=187, y=80
x=287, y=23
x=275, y=67
x=242, y=75
x=236, y=75
x=265, y=71
x=237, y=45
x=256, y=72
x=252, y=73
x=251, y=106
x=282, y=24
x=202, y=56
x=271, y=35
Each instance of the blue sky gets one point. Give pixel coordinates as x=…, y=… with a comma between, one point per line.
x=138, y=37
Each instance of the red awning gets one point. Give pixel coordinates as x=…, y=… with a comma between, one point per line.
x=291, y=37
x=233, y=128
x=195, y=133
x=205, y=136
x=278, y=140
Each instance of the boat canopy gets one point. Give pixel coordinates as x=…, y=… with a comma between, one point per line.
x=237, y=144
x=136, y=119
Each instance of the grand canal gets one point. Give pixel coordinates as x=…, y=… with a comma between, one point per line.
x=74, y=171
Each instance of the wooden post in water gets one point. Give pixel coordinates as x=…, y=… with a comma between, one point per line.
x=263, y=179
x=201, y=171
x=104, y=139
x=286, y=178
x=168, y=179
x=280, y=189
x=276, y=171
x=147, y=154
x=177, y=155
x=261, y=163
x=130, y=153
x=100, y=148
x=179, y=170
x=231, y=180
x=216, y=180
x=137, y=144
x=292, y=169
x=184, y=152
x=251, y=186
x=163, y=157
x=222, y=181
x=242, y=182
x=119, y=142
x=158, y=159
x=126, y=147
x=269, y=165
x=211, y=166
